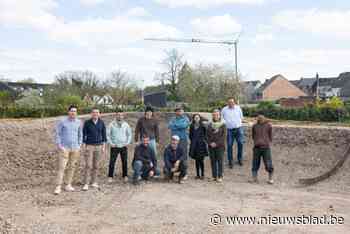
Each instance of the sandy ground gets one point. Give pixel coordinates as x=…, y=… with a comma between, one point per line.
x=28, y=168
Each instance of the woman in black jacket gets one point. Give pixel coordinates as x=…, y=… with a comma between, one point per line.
x=198, y=147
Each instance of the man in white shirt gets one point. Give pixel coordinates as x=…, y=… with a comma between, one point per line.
x=233, y=116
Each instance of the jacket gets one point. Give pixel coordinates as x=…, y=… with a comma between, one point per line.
x=150, y=127
x=171, y=156
x=178, y=126
x=198, y=138
x=94, y=134
x=119, y=134
x=217, y=135
x=145, y=155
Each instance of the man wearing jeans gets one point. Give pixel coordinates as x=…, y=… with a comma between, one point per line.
x=119, y=137
x=69, y=137
x=94, y=139
x=233, y=116
x=145, y=162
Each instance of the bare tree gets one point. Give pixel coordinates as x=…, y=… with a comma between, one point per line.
x=121, y=88
x=173, y=63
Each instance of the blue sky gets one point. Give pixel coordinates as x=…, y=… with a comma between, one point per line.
x=40, y=38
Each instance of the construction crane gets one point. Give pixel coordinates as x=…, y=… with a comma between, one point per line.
x=196, y=40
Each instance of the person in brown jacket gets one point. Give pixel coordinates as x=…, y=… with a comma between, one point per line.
x=262, y=137
x=216, y=142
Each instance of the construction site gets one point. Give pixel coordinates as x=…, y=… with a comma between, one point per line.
x=312, y=178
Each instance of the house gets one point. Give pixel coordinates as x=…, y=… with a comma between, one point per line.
x=249, y=90
x=5, y=88
x=105, y=100
x=21, y=87
x=278, y=87
x=156, y=99
x=306, y=85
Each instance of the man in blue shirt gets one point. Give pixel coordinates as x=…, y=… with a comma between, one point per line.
x=69, y=137
x=233, y=116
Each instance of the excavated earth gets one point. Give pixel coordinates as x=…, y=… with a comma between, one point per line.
x=28, y=168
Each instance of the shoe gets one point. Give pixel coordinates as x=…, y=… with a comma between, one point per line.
x=86, y=187
x=95, y=185
x=219, y=180
x=185, y=177
x=202, y=177
x=125, y=179
x=197, y=177
x=181, y=181
x=230, y=164
x=137, y=180
x=240, y=163
x=69, y=188
x=270, y=181
x=57, y=190
x=212, y=179
x=156, y=176
x=110, y=180
x=254, y=180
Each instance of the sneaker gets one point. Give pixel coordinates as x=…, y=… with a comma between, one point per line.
x=212, y=179
x=156, y=176
x=197, y=177
x=125, y=179
x=69, y=188
x=185, y=177
x=110, y=180
x=230, y=164
x=219, y=180
x=136, y=181
x=270, y=181
x=240, y=163
x=95, y=185
x=86, y=187
x=202, y=177
x=57, y=190
x=181, y=181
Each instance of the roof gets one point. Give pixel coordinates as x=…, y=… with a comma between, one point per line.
x=252, y=82
x=304, y=82
x=5, y=87
x=269, y=81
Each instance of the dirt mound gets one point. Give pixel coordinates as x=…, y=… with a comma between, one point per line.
x=29, y=156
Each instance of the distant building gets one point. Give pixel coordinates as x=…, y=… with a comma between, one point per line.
x=250, y=89
x=5, y=88
x=278, y=87
x=157, y=99
x=21, y=87
x=326, y=87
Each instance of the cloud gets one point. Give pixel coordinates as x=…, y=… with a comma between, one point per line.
x=325, y=22
x=216, y=25
x=138, y=12
x=32, y=13
x=206, y=3
x=91, y=3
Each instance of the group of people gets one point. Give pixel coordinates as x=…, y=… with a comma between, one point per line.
x=206, y=138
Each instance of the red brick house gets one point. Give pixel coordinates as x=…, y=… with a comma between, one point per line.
x=278, y=87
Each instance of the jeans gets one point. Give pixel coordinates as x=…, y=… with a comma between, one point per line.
x=182, y=169
x=232, y=135
x=216, y=159
x=153, y=145
x=92, y=157
x=115, y=151
x=143, y=170
x=67, y=158
x=259, y=153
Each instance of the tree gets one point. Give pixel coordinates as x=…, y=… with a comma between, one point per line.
x=121, y=88
x=27, y=80
x=30, y=99
x=173, y=63
x=5, y=98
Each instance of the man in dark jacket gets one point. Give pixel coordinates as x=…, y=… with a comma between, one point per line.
x=94, y=139
x=144, y=162
x=174, y=160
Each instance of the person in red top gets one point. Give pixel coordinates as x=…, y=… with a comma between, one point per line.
x=262, y=137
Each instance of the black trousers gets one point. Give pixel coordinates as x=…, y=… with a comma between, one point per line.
x=115, y=151
x=200, y=166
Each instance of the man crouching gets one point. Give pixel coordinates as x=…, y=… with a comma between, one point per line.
x=145, y=162
x=174, y=160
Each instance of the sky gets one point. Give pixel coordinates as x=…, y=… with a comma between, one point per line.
x=295, y=38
